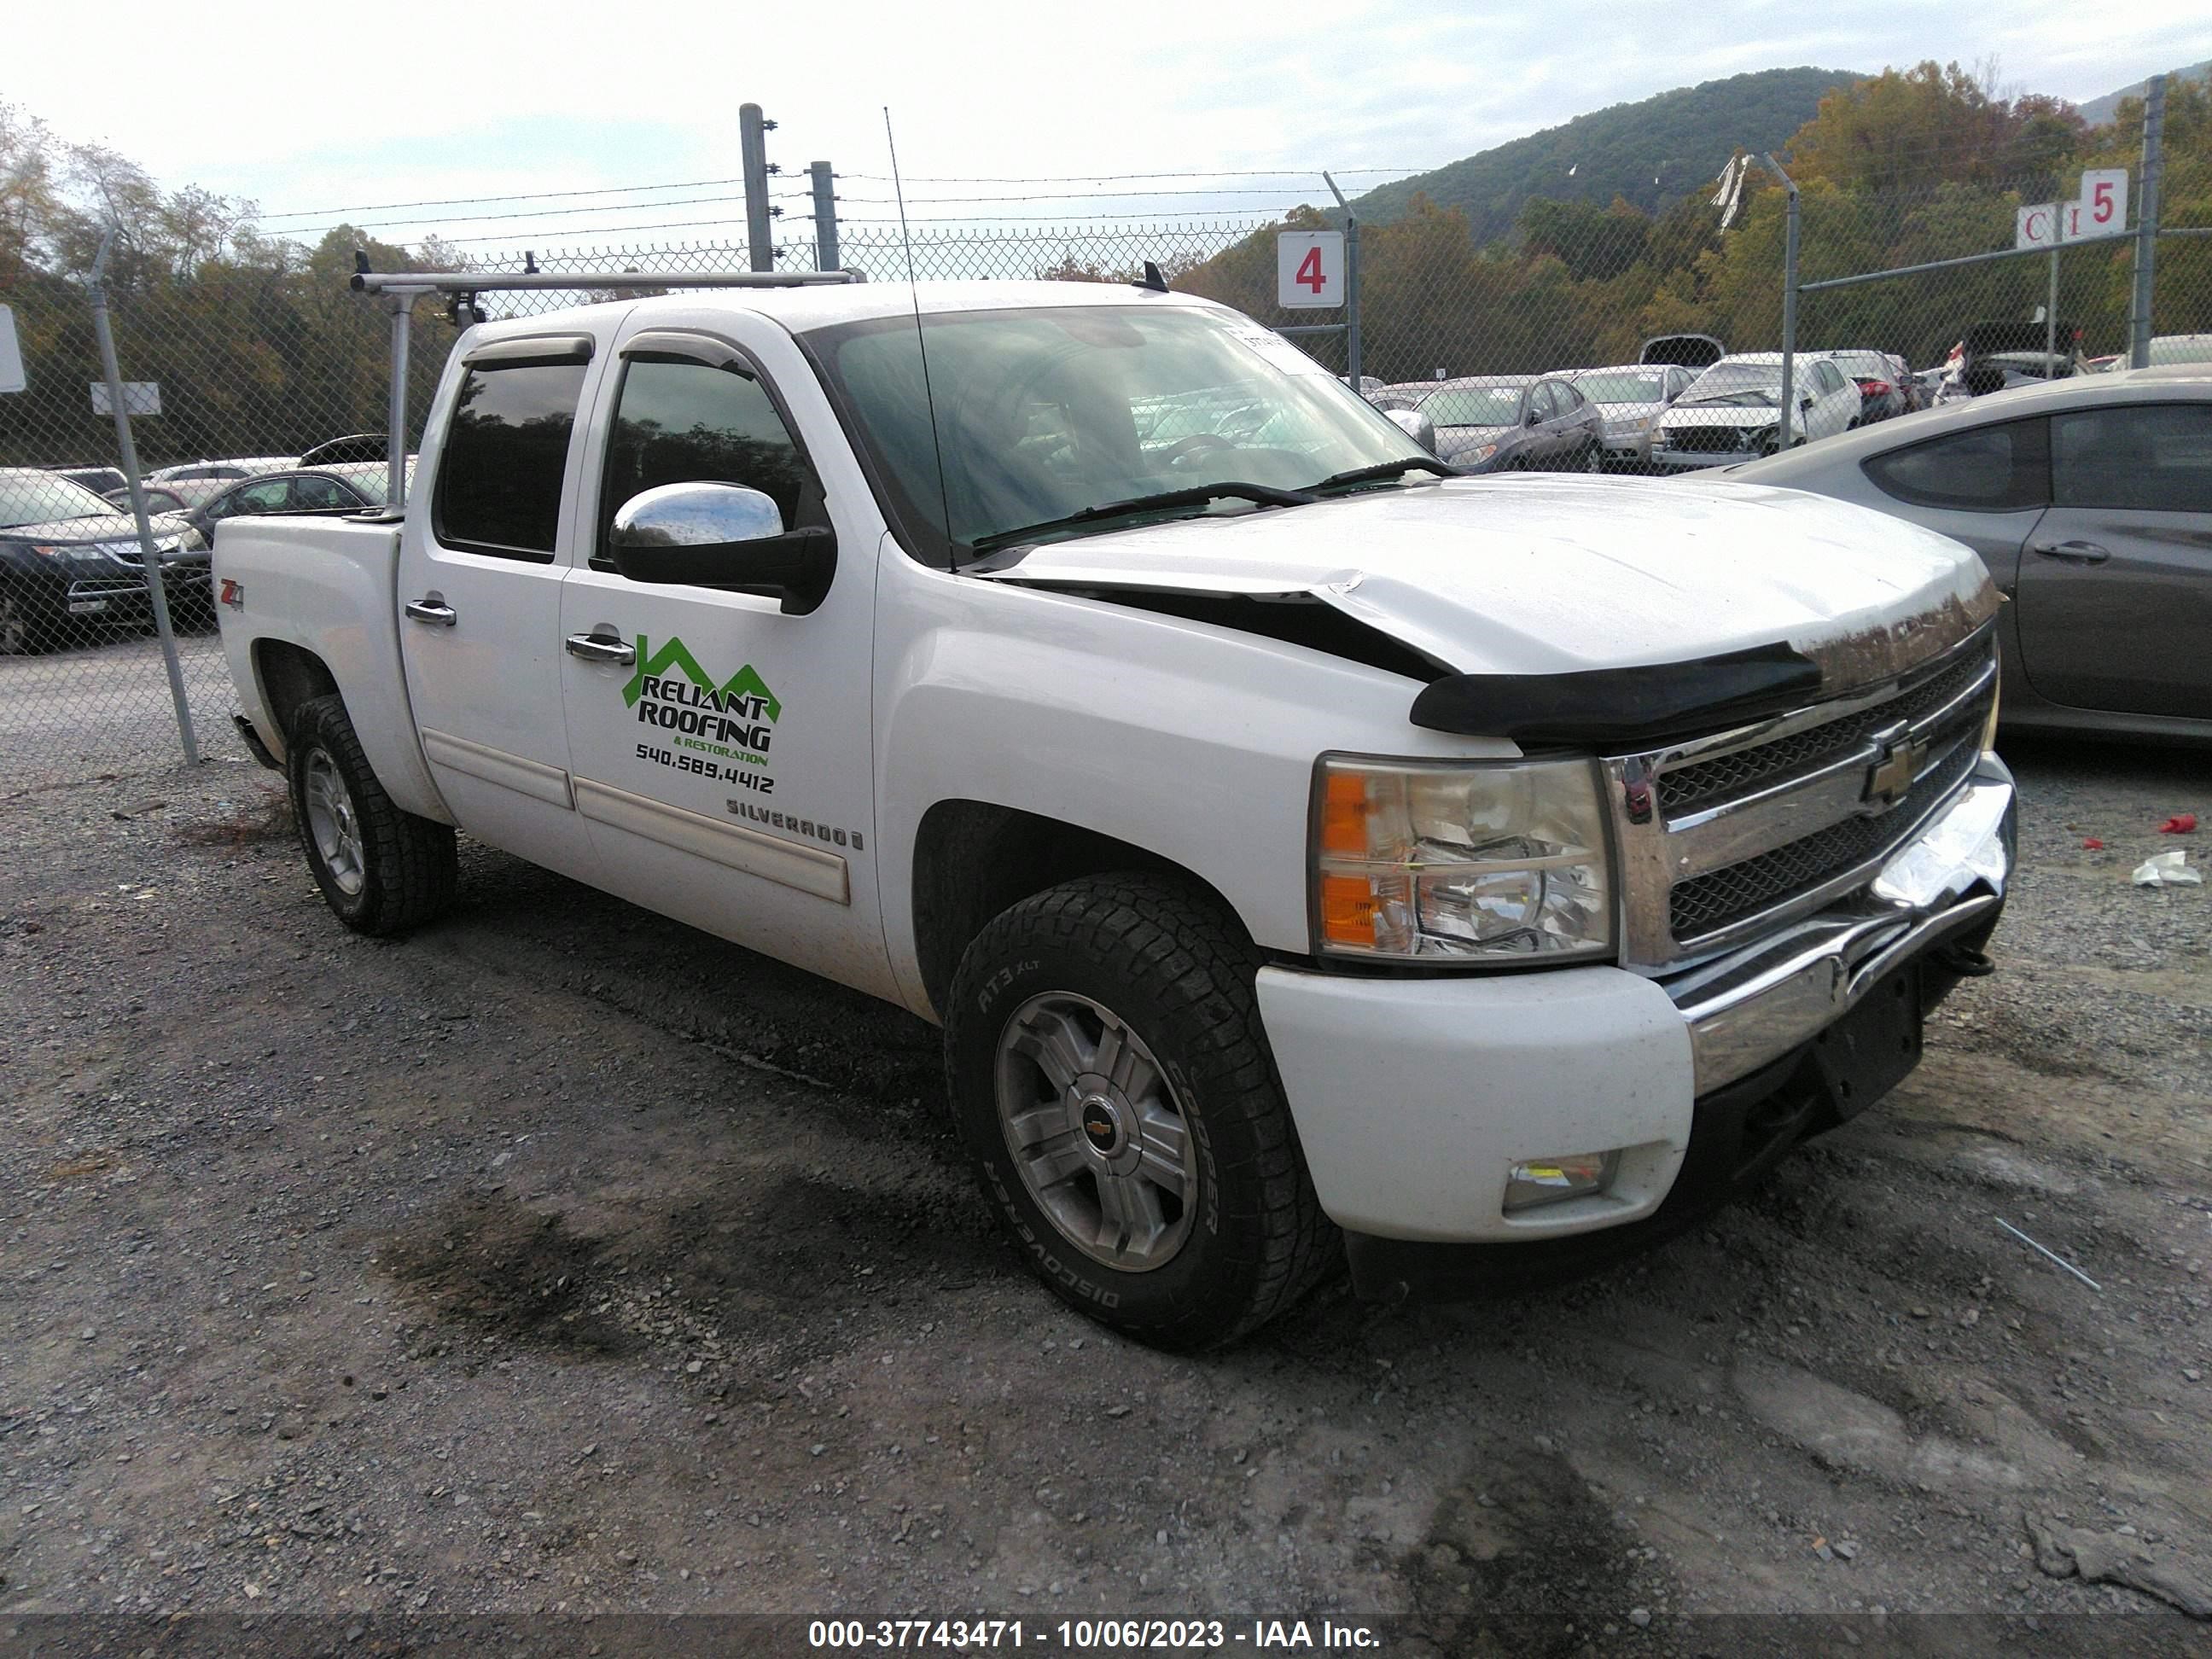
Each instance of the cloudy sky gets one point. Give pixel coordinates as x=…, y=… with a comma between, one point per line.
x=310, y=111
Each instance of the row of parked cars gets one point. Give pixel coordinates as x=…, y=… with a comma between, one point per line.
x=71, y=564
x=1686, y=403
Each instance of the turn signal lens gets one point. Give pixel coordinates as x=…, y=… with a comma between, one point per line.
x=1344, y=814
x=1347, y=911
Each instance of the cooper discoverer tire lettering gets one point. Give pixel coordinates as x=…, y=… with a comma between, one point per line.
x=381, y=868
x=1113, y=1084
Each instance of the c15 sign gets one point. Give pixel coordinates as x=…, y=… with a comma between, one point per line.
x=1308, y=269
x=2100, y=211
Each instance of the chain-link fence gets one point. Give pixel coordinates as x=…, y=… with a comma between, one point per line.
x=1524, y=351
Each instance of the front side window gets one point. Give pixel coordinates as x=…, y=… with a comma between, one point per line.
x=507, y=450
x=2146, y=458
x=320, y=495
x=679, y=422
x=1042, y=414
x=1985, y=469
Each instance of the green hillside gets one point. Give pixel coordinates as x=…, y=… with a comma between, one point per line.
x=2098, y=111
x=1681, y=139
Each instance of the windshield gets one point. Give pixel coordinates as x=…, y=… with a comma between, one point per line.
x=40, y=497
x=1625, y=387
x=1737, y=383
x=1042, y=414
x=1473, y=405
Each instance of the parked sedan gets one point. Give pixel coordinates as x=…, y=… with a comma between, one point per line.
x=1512, y=424
x=238, y=466
x=348, y=488
x=1629, y=398
x=2090, y=500
x=1733, y=410
x=70, y=562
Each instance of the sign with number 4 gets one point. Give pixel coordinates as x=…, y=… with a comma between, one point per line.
x=1308, y=269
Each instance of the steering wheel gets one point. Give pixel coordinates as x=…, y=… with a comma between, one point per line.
x=1197, y=444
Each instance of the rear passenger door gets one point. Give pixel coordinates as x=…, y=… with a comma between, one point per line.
x=2115, y=595
x=481, y=566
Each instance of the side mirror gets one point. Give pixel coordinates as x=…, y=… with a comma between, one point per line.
x=1415, y=425
x=725, y=536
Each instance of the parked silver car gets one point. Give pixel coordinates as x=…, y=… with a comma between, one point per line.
x=2090, y=500
x=1512, y=424
x=1629, y=398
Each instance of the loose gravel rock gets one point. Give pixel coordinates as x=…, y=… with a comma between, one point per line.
x=563, y=1258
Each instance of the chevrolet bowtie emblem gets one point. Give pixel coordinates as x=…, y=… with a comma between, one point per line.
x=1896, y=763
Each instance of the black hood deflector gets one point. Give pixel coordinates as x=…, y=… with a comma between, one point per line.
x=1620, y=708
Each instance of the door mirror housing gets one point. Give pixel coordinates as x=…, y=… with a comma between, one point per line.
x=1415, y=425
x=723, y=536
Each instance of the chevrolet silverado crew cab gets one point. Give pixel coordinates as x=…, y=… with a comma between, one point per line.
x=1303, y=850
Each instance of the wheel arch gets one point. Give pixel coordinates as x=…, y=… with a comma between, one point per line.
x=288, y=676
x=974, y=859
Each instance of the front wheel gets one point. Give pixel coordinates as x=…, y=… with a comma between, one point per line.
x=1105, y=1058
x=22, y=631
x=381, y=869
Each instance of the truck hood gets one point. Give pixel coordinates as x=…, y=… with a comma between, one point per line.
x=1567, y=575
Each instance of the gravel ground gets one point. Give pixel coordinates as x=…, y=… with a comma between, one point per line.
x=561, y=1259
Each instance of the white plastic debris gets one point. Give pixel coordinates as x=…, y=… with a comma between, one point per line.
x=2167, y=869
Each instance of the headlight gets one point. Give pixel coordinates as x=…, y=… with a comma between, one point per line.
x=1478, y=861
x=1479, y=452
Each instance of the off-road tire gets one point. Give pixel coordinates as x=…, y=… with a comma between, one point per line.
x=1179, y=971
x=408, y=864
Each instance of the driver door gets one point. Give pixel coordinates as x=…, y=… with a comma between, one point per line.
x=721, y=747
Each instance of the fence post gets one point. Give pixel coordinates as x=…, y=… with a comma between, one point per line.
x=2154, y=163
x=825, y=218
x=395, y=419
x=155, y=591
x=1351, y=283
x=1789, y=307
x=2050, y=310
x=752, y=149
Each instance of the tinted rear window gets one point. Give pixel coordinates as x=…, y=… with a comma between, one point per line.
x=499, y=482
x=1987, y=469
x=2147, y=458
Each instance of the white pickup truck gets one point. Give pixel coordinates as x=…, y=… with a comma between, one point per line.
x=1300, y=850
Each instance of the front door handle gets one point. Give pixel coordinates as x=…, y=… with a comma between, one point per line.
x=2072, y=552
x=432, y=610
x=601, y=648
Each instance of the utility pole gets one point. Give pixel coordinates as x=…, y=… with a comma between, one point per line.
x=825, y=217
x=1789, y=235
x=2154, y=164
x=752, y=144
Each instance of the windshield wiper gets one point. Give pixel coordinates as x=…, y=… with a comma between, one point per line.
x=1387, y=470
x=1196, y=495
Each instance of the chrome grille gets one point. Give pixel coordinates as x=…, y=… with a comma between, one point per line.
x=1706, y=904
x=1693, y=787
x=1725, y=838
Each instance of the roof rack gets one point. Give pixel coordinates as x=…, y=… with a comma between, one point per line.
x=401, y=288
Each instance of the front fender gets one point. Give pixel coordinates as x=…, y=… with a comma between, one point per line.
x=1192, y=741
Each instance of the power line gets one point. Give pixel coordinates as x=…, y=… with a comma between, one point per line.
x=1117, y=178
x=533, y=196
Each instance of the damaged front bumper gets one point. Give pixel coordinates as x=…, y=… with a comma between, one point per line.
x=1414, y=1098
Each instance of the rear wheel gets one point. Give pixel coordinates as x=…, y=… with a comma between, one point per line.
x=1106, y=1063
x=381, y=869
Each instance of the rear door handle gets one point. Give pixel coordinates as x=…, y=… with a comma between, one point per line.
x=2072, y=552
x=432, y=610
x=601, y=648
